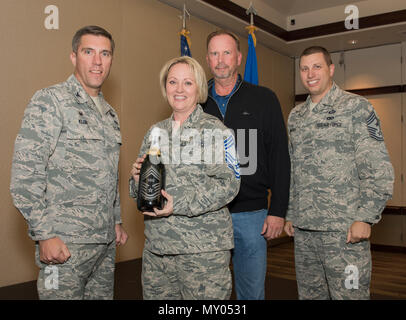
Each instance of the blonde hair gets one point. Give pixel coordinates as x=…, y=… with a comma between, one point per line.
x=197, y=71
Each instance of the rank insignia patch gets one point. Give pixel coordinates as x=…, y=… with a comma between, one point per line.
x=231, y=156
x=374, y=127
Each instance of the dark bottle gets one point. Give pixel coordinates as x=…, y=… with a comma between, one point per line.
x=152, y=178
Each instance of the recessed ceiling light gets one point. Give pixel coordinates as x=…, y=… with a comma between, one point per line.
x=353, y=42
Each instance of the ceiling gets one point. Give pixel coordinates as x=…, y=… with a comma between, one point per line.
x=292, y=7
x=306, y=13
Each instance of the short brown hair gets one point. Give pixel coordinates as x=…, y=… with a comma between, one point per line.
x=94, y=30
x=197, y=71
x=222, y=32
x=317, y=49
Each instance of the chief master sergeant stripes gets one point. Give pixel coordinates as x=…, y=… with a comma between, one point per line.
x=341, y=179
x=65, y=175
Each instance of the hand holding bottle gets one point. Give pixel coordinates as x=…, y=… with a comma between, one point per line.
x=166, y=211
x=136, y=168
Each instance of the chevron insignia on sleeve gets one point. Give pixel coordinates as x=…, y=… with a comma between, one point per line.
x=374, y=127
x=231, y=155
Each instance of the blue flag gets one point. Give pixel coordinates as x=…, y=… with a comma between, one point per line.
x=251, y=68
x=184, y=46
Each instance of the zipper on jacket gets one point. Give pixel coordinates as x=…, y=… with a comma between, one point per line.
x=218, y=107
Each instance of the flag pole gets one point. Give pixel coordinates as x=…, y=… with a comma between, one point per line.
x=185, y=48
x=185, y=12
x=251, y=28
x=251, y=66
x=251, y=11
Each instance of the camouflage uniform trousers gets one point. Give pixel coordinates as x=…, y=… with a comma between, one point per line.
x=329, y=268
x=87, y=275
x=199, y=276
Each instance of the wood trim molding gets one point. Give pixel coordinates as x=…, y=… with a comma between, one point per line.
x=239, y=12
x=305, y=33
x=386, y=248
x=378, y=90
x=398, y=211
x=337, y=27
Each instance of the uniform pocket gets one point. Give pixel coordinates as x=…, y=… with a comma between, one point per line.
x=84, y=144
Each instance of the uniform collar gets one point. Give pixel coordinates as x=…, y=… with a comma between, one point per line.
x=193, y=117
x=326, y=103
x=77, y=90
x=236, y=86
x=82, y=96
x=328, y=100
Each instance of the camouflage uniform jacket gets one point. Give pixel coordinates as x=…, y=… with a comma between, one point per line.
x=201, y=190
x=64, y=177
x=341, y=170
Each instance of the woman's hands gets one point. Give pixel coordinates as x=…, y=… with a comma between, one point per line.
x=166, y=211
x=136, y=168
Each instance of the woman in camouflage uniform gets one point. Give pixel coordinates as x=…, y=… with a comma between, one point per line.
x=187, y=246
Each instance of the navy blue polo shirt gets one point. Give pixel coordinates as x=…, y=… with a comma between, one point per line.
x=222, y=101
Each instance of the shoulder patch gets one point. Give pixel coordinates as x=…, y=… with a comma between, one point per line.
x=231, y=156
x=374, y=127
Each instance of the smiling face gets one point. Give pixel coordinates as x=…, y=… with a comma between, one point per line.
x=223, y=57
x=92, y=62
x=316, y=75
x=181, y=91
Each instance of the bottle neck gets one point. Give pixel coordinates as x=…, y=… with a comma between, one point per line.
x=154, y=151
x=154, y=148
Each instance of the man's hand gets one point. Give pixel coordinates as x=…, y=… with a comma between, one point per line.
x=358, y=231
x=121, y=235
x=290, y=231
x=53, y=251
x=273, y=227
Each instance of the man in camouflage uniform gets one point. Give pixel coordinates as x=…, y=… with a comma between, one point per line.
x=187, y=248
x=340, y=182
x=65, y=176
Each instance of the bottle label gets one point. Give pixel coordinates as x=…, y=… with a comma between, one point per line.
x=151, y=184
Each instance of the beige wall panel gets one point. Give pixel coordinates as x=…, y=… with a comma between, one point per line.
x=299, y=88
x=403, y=159
x=281, y=69
x=146, y=35
x=373, y=67
x=389, y=109
x=339, y=69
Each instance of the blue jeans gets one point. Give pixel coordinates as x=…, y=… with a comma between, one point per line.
x=249, y=255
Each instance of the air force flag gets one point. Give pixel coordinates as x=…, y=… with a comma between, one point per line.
x=251, y=68
x=184, y=46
